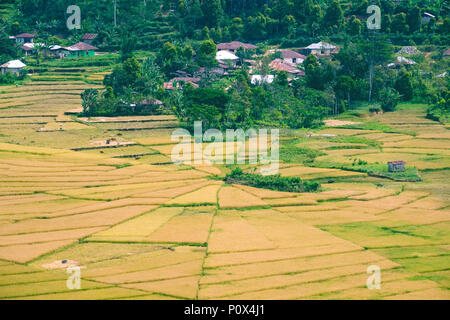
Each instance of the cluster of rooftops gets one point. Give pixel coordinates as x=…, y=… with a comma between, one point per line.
x=26, y=40
x=226, y=57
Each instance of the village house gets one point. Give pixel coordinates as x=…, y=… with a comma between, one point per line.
x=447, y=53
x=31, y=47
x=24, y=38
x=15, y=67
x=321, y=49
x=226, y=58
x=234, y=45
x=258, y=79
x=279, y=65
x=401, y=61
x=426, y=17
x=80, y=49
x=175, y=83
x=396, y=166
x=89, y=38
x=292, y=57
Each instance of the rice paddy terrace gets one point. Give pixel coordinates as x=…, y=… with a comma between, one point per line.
x=103, y=194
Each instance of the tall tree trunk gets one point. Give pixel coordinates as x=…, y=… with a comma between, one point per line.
x=370, y=79
x=115, y=13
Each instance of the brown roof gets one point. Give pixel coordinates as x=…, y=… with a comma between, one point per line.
x=151, y=101
x=81, y=46
x=397, y=162
x=447, y=52
x=280, y=65
x=234, y=45
x=89, y=36
x=289, y=54
x=169, y=85
x=186, y=79
x=25, y=35
x=26, y=48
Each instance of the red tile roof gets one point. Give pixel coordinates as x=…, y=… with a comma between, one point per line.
x=447, y=52
x=280, y=65
x=89, y=36
x=25, y=35
x=81, y=46
x=234, y=45
x=289, y=54
x=169, y=85
x=151, y=101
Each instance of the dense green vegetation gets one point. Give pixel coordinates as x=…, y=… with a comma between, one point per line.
x=182, y=35
x=293, y=22
x=274, y=182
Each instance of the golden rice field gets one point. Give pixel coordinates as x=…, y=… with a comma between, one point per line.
x=141, y=227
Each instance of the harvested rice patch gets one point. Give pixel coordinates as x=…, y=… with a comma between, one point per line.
x=236, y=258
x=208, y=169
x=231, y=233
x=299, y=201
x=91, y=294
x=43, y=207
x=420, y=143
x=350, y=152
x=86, y=220
x=186, y=269
x=7, y=147
x=154, y=258
x=285, y=231
x=265, y=193
x=296, y=265
x=388, y=288
x=32, y=277
x=332, y=217
x=25, y=252
x=157, y=140
x=173, y=192
x=22, y=199
x=149, y=297
x=54, y=126
x=374, y=194
x=436, y=134
x=343, y=132
x=432, y=203
x=313, y=208
x=315, y=173
x=32, y=238
x=300, y=170
x=9, y=268
x=396, y=201
x=231, y=197
x=309, y=289
x=136, y=187
x=185, y=287
x=417, y=216
x=285, y=280
x=425, y=151
x=100, y=205
x=324, y=144
x=338, y=123
x=378, y=235
x=37, y=289
x=192, y=226
x=381, y=136
x=206, y=194
x=432, y=294
x=137, y=229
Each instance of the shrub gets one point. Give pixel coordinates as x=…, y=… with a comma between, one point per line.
x=389, y=99
x=439, y=111
x=274, y=182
